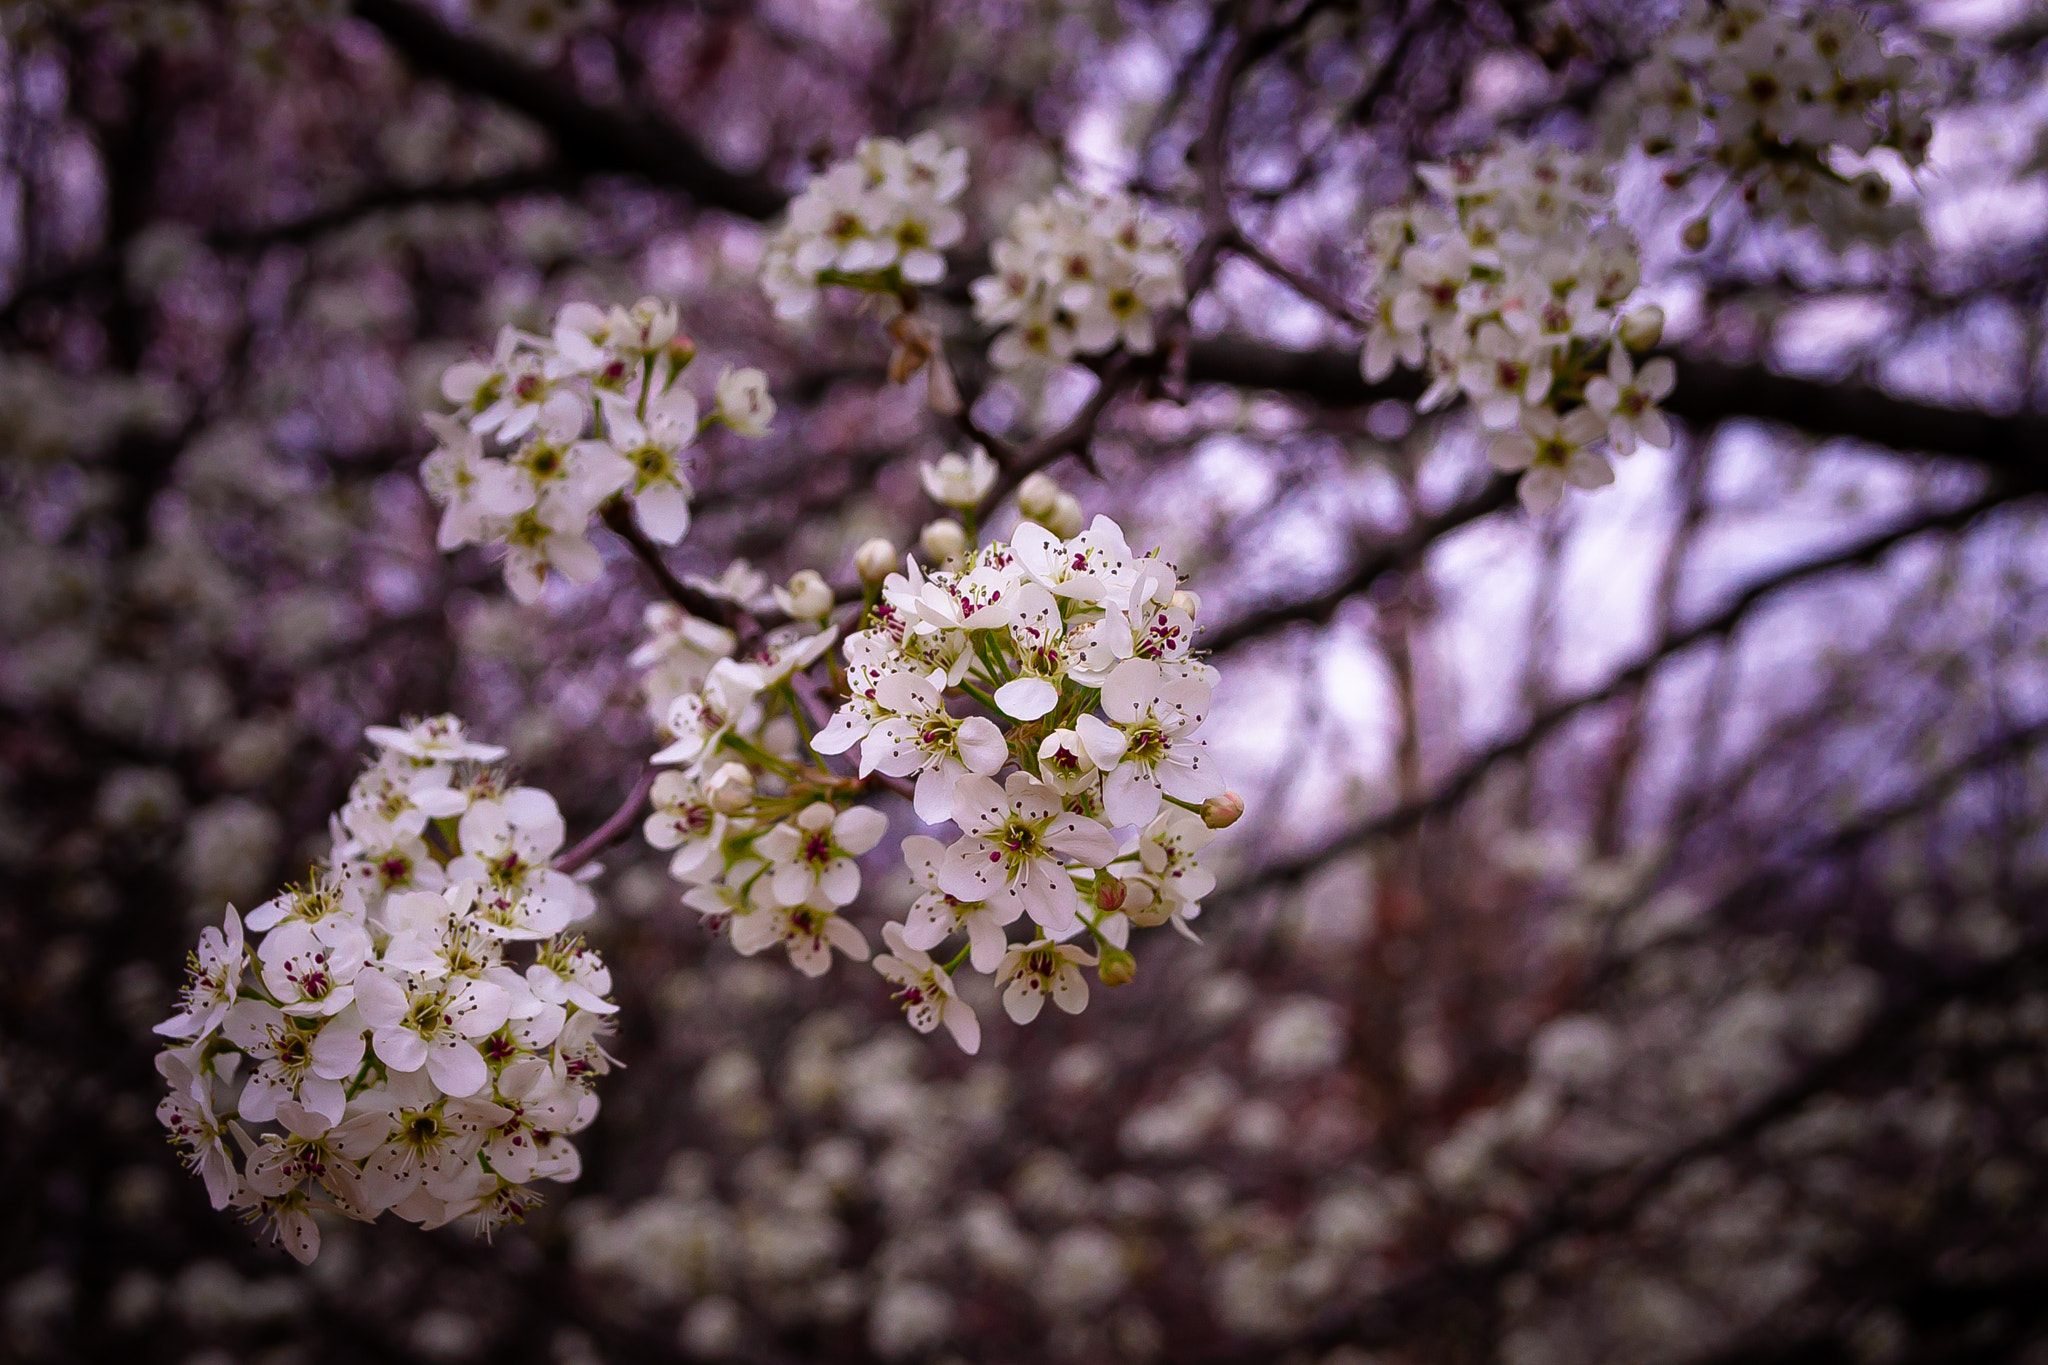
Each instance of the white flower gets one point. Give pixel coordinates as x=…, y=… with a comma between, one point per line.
x=476, y=492
x=310, y=969
x=569, y=973
x=811, y=859
x=1626, y=400
x=539, y=1104
x=725, y=897
x=926, y=992
x=549, y=535
x=652, y=444
x=188, y=1113
x=685, y=820
x=920, y=736
x=960, y=481
x=1501, y=374
x=936, y=916
x=295, y=1060
x=1553, y=452
x=700, y=720
x=507, y=845
x=434, y=1025
x=678, y=652
x=1031, y=972
x=1064, y=764
x=313, y=1150
x=1077, y=272
x=1017, y=838
x=429, y=1144
x=808, y=933
x=213, y=976
x=438, y=739
x=1149, y=750
x=1170, y=883
x=744, y=403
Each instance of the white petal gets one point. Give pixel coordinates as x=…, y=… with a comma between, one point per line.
x=1026, y=698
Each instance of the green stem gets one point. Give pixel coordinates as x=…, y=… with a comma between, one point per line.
x=981, y=696
x=958, y=958
x=740, y=744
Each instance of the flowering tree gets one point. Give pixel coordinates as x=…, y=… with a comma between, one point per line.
x=1380, y=411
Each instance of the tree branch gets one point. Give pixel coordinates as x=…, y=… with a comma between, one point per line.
x=1401, y=552
x=1708, y=391
x=588, y=137
x=1461, y=783
x=613, y=829
x=619, y=518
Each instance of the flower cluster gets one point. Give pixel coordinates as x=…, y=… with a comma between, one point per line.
x=1077, y=274
x=1507, y=286
x=1039, y=696
x=611, y=373
x=365, y=1042
x=877, y=222
x=1787, y=105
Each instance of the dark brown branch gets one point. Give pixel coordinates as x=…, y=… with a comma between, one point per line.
x=1461, y=783
x=1401, y=552
x=1708, y=391
x=587, y=136
x=613, y=829
x=697, y=602
x=104, y=267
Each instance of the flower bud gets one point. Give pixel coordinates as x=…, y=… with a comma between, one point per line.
x=1696, y=235
x=807, y=598
x=1189, y=602
x=959, y=480
x=1643, y=327
x=1038, y=498
x=730, y=788
x=1067, y=518
x=1117, y=968
x=743, y=401
x=1221, y=812
x=680, y=352
x=874, y=561
x=1110, y=892
x=943, y=540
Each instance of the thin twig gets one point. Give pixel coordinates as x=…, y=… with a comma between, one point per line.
x=1318, y=294
x=613, y=829
x=693, y=600
x=1460, y=784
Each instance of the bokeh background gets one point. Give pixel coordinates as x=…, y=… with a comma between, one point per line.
x=1634, y=948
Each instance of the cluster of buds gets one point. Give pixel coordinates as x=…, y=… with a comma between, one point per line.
x=1077, y=274
x=590, y=419
x=1787, y=107
x=1508, y=285
x=1040, y=695
x=366, y=1041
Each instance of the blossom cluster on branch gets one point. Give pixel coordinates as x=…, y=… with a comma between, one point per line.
x=1507, y=285
x=876, y=222
x=1077, y=273
x=1039, y=694
x=365, y=1041
x=612, y=373
x=1787, y=106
